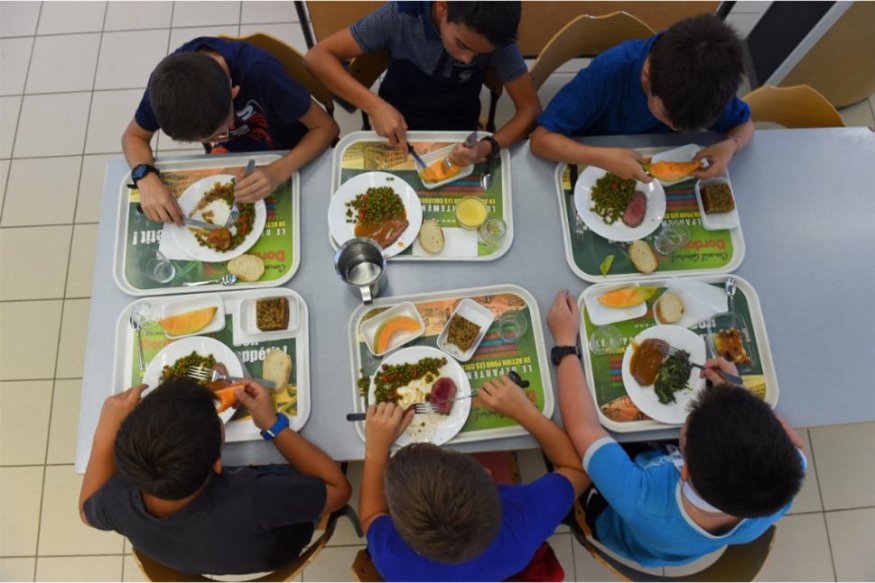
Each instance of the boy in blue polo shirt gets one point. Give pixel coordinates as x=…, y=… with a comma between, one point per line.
x=438, y=56
x=684, y=79
x=736, y=471
x=234, y=97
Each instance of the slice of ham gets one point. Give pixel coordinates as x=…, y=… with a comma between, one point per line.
x=635, y=210
x=384, y=233
x=443, y=391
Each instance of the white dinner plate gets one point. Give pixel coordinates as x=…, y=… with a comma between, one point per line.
x=645, y=397
x=433, y=428
x=183, y=347
x=342, y=231
x=185, y=238
x=618, y=231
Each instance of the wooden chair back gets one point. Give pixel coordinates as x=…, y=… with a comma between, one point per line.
x=293, y=62
x=799, y=106
x=586, y=36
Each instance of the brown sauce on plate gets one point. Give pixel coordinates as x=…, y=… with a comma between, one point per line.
x=646, y=360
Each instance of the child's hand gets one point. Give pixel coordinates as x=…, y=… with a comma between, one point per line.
x=116, y=409
x=257, y=185
x=625, y=163
x=564, y=319
x=462, y=156
x=389, y=123
x=258, y=402
x=717, y=364
x=504, y=396
x=719, y=155
x=384, y=423
x=157, y=202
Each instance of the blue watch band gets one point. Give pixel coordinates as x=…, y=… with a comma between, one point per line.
x=281, y=423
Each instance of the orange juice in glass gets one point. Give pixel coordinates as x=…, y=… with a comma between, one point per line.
x=471, y=212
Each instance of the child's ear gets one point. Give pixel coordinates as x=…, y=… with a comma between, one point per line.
x=685, y=473
x=235, y=90
x=217, y=467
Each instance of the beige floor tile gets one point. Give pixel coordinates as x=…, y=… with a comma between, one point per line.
x=9, y=108
x=41, y=191
x=845, y=462
x=133, y=15
x=61, y=530
x=23, y=279
x=116, y=110
x=4, y=172
x=80, y=271
x=127, y=58
x=800, y=551
x=180, y=36
x=91, y=186
x=693, y=567
x=41, y=118
x=531, y=464
x=28, y=343
x=74, y=330
x=131, y=572
x=63, y=17
x=14, y=58
x=289, y=33
x=63, y=63
x=64, y=422
x=859, y=114
x=266, y=12
x=79, y=568
x=332, y=564
x=808, y=499
x=19, y=18
x=851, y=533
x=205, y=13
x=563, y=546
x=24, y=419
x=20, y=490
x=17, y=569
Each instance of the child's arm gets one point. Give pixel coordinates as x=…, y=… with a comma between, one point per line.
x=624, y=162
x=721, y=153
x=579, y=414
x=264, y=180
x=101, y=465
x=505, y=397
x=325, y=62
x=305, y=457
x=158, y=203
x=385, y=422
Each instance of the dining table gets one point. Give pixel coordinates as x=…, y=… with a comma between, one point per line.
x=806, y=202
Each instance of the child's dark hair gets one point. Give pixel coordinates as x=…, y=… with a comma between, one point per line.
x=190, y=95
x=442, y=502
x=497, y=21
x=168, y=444
x=695, y=68
x=740, y=458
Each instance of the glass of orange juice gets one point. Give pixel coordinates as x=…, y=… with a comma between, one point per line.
x=471, y=212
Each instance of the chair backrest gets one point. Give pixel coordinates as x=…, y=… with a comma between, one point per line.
x=363, y=568
x=799, y=106
x=293, y=62
x=586, y=36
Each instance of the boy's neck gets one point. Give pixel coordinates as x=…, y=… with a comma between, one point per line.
x=219, y=59
x=159, y=507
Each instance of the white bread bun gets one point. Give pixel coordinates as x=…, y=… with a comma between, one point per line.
x=642, y=256
x=277, y=367
x=247, y=267
x=669, y=308
x=431, y=236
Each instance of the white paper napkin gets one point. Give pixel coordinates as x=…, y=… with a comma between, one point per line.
x=458, y=242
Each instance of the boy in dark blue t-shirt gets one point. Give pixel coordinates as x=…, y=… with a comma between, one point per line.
x=234, y=97
x=438, y=56
x=682, y=80
x=432, y=514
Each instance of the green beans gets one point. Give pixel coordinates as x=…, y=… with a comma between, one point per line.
x=375, y=206
x=610, y=197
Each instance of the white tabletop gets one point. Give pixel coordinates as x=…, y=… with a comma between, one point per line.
x=807, y=205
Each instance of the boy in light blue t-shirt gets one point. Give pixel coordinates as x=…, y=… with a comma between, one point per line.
x=735, y=473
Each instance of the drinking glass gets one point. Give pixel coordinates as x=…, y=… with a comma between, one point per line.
x=154, y=265
x=671, y=237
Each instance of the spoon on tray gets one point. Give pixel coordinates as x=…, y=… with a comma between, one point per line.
x=227, y=279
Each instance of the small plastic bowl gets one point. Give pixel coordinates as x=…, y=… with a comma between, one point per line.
x=728, y=321
x=370, y=327
x=475, y=313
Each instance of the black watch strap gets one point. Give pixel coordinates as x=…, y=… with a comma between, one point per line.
x=496, y=147
x=140, y=171
x=560, y=352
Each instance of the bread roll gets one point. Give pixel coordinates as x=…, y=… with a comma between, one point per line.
x=642, y=256
x=277, y=367
x=669, y=308
x=247, y=267
x=431, y=237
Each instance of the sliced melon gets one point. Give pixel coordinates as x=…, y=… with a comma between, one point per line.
x=626, y=297
x=188, y=322
x=391, y=327
x=437, y=173
x=227, y=398
x=671, y=171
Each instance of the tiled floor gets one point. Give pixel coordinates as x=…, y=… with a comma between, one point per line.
x=70, y=77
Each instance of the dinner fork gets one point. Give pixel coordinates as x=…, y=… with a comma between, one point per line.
x=235, y=210
x=669, y=350
x=468, y=143
x=418, y=408
x=200, y=373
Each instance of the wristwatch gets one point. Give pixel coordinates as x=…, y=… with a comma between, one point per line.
x=141, y=170
x=282, y=422
x=560, y=352
x=495, y=147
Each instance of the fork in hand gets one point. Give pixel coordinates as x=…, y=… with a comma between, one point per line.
x=418, y=408
x=669, y=350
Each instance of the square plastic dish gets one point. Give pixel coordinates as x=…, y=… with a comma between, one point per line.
x=475, y=313
x=370, y=328
x=716, y=221
x=248, y=321
x=727, y=321
x=601, y=315
x=432, y=157
x=191, y=304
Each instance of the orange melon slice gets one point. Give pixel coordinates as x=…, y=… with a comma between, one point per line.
x=188, y=322
x=626, y=297
x=671, y=171
x=436, y=173
x=391, y=327
x=227, y=398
